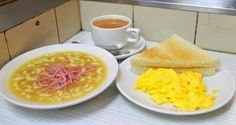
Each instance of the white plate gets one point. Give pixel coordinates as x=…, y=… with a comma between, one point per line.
x=222, y=80
x=133, y=48
x=109, y=59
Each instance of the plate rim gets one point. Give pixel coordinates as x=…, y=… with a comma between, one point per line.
x=85, y=98
x=183, y=113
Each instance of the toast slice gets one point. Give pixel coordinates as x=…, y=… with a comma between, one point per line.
x=204, y=71
x=176, y=53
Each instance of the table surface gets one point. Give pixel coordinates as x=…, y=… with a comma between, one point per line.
x=111, y=107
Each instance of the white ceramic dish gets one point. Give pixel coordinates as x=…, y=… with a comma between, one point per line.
x=222, y=80
x=109, y=59
x=133, y=48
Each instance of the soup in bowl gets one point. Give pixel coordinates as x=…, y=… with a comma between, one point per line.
x=57, y=76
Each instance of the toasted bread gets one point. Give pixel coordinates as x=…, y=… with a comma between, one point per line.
x=204, y=71
x=176, y=53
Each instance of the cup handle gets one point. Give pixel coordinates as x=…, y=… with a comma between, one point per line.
x=134, y=35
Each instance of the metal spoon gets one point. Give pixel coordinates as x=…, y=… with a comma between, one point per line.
x=75, y=42
x=118, y=52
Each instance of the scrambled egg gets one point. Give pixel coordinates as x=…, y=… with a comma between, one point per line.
x=186, y=91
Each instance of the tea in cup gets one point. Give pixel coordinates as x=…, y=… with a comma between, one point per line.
x=113, y=32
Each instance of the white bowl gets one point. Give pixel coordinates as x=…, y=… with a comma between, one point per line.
x=6, y=71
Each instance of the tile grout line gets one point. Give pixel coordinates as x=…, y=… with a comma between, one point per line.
x=195, y=33
x=80, y=18
x=55, y=15
x=133, y=15
x=8, y=49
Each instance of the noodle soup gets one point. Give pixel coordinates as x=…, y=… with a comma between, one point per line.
x=57, y=77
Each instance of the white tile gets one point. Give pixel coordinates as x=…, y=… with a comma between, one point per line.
x=157, y=24
x=36, y=32
x=91, y=9
x=216, y=32
x=68, y=19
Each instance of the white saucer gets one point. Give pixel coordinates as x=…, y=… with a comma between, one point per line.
x=133, y=48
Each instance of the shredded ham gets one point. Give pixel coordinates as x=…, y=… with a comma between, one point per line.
x=58, y=76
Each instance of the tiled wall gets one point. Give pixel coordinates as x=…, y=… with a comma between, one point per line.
x=52, y=27
x=30, y=35
x=210, y=31
x=216, y=32
x=157, y=24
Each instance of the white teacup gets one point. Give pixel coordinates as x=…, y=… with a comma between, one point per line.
x=113, y=32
